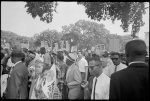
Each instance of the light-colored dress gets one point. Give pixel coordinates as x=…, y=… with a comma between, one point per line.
x=45, y=86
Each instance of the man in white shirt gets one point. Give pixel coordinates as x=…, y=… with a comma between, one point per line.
x=82, y=63
x=114, y=64
x=115, y=56
x=101, y=82
x=108, y=66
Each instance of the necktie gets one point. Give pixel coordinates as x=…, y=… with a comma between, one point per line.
x=115, y=68
x=94, y=89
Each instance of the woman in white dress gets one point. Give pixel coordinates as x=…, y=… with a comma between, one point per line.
x=43, y=86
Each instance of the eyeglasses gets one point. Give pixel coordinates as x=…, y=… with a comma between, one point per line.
x=93, y=66
x=114, y=58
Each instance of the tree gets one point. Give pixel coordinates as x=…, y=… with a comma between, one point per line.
x=50, y=36
x=85, y=33
x=44, y=10
x=127, y=12
x=130, y=13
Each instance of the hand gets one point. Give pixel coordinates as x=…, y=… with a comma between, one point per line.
x=84, y=84
x=65, y=83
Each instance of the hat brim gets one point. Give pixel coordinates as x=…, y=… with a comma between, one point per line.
x=90, y=66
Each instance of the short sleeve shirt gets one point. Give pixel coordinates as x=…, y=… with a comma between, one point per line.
x=82, y=63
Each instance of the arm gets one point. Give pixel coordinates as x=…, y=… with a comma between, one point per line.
x=1, y=69
x=86, y=74
x=86, y=70
x=83, y=75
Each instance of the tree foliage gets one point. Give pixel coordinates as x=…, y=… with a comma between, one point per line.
x=127, y=12
x=50, y=36
x=130, y=13
x=85, y=33
x=44, y=10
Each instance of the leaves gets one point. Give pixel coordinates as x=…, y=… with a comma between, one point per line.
x=127, y=12
x=85, y=33
x=130, y=13
x=50, y=36
x=44, y=10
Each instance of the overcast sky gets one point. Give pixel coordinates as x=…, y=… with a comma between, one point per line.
x=15, y=18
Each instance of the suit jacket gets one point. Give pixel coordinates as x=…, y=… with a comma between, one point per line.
x=17, y=87
x=131, y=83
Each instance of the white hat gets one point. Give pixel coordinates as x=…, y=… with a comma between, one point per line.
x=72, y=56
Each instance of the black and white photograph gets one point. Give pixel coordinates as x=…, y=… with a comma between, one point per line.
x=75, y=50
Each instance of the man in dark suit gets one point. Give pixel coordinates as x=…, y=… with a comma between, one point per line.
x=18, y=78
x=132, y=82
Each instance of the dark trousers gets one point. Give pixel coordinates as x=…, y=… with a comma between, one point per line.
x=64, y=90
x=82, y=93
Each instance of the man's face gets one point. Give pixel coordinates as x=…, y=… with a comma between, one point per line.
x=116, y=59
x=94, y=67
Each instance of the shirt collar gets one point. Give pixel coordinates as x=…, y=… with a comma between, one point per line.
x=136, y=62
x=17, y=63
x=119, y=64
x=100, y=75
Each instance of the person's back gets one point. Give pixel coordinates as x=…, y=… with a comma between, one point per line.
x=133, y=81
x=135, y=78
x=20, y=70
x=18, y=80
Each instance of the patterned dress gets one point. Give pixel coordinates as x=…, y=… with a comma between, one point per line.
x=45, y=87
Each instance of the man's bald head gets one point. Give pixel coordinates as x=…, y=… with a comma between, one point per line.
x=136, y=49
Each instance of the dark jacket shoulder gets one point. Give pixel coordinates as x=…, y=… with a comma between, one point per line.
x=136, y=68
x=20, y=68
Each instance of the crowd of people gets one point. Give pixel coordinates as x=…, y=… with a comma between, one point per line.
x=43, y=74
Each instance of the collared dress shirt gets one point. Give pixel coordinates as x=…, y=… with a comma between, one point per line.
x=101, y=87
x=120, y=67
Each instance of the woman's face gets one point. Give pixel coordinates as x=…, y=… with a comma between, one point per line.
x=38, y=68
